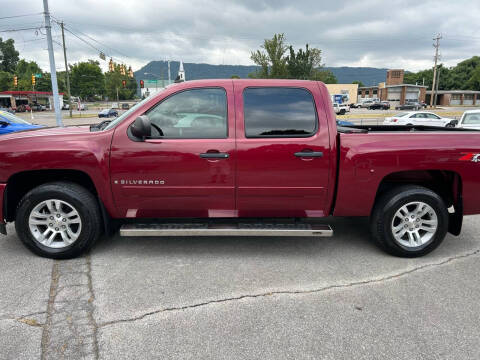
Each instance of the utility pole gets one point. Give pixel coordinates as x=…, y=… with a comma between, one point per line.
x=436, y=46
x=66, y=71
x=53, y=72
x=436, y=85
x=169, y=79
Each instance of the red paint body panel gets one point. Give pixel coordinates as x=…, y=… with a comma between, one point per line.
x=270, y=179
x=366, y=159
x=261, y=177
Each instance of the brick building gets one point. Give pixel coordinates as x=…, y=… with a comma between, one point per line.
x=393, y=90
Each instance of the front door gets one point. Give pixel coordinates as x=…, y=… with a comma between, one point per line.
x=283, y=150
x=187, y=168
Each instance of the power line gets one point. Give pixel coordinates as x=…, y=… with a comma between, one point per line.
x=23, y=29
x=18, y=16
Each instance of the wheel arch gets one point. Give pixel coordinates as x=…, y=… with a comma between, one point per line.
x=447, y=184
x=21, y=183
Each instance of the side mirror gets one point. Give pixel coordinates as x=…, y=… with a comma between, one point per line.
x=141, y=127
x=3, y=123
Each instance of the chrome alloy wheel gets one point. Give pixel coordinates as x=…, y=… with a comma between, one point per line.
x=55, y=223
x=414, y=224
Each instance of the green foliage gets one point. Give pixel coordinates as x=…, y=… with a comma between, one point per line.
x=87, y=80
x=6, y=80
x=360, y=84
x=463, y=76
x=272, y=60
x=303, y=64
x=24, y=71
x=113, y=82
x=9, y=56
x=325, y=76
x=234, y=77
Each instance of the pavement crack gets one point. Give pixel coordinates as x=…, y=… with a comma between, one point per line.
x=293, y=292
x=70, y=330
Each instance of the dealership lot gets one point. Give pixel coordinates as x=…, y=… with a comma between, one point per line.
x=204, y=298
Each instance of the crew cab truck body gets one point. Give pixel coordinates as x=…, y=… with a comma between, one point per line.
x=215, y=152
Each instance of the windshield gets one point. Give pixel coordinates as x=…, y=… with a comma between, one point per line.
x=104, y=111
x=119, y=119
x=12, y=118
x=471, y=119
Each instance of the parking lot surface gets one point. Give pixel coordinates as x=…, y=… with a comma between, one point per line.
x=237, y=298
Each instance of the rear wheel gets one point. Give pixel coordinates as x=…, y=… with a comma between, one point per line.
x=58, y=220
x=409, y=221
x=342, y=112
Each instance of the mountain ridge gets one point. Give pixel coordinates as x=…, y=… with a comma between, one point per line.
x=195, y=71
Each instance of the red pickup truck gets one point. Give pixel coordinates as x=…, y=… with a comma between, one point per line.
x=236, y=157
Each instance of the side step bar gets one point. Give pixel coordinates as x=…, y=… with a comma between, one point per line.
x=240, y=229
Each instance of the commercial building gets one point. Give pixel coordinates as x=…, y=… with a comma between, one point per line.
x=455, y=97
x=393, y=90
x=348, y=92
x=14, y=99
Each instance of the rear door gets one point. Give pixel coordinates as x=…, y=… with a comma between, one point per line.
x=283, y=150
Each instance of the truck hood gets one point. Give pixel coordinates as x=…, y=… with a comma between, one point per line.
x=40, y=133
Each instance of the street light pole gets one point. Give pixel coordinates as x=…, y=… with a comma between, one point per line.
x=53, y=71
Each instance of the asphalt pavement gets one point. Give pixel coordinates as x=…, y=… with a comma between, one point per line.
x=243, y=298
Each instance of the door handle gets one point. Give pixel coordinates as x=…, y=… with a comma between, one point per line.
x=214, y=155
x=309, y=154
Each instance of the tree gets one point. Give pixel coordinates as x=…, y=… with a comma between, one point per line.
x=6, y=81
x=87, y=80
x=24, y=71
x=325, y=76
x=8, y=55
x=474, y=81
x=272, y=60
x=234, y=77
x=360, y=84
x=302, y=64
x=113, y=81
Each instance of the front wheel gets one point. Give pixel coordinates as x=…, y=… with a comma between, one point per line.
x=58, y=220
x=409, y=221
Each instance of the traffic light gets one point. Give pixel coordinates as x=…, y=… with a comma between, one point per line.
x=142, y=84
x=15, y=81
x=130, y=72
x=124, y=83
x=122, y=70
x=110, y=65
x=33, y=79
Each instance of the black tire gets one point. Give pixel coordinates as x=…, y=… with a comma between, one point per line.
x=342, y=112
x=385, y=209
x=83, y=202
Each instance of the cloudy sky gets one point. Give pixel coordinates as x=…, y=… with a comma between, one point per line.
x=387, y=34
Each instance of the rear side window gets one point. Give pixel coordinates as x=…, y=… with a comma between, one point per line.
x=279, y=112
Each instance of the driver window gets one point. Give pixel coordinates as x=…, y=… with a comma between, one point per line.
x=191, y=114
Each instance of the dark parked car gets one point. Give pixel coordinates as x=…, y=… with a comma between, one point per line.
x=410, y=105
x=108, y=113
x=125, y=106
x=383, y=105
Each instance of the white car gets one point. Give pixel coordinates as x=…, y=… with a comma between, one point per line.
x=470, y=120
x=418, y=118
x=340, y=109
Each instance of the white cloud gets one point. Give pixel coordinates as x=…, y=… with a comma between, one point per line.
x=350, y=33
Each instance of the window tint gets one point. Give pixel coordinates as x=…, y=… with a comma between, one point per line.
x=279, y=112
x=191, y=114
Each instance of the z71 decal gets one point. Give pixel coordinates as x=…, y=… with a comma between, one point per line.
x=471, y=157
